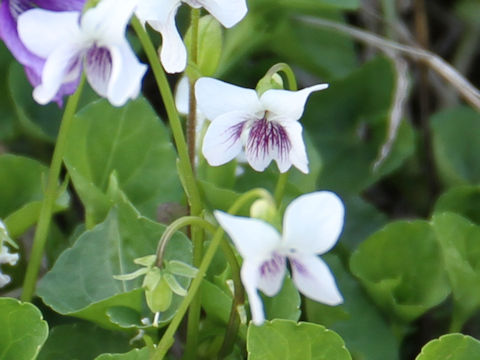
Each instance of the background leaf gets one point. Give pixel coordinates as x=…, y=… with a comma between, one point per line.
x=81, y=341
x=81, y=282
x=284, y=339
x=23, y=330
x=402, y=269
x=451, y=347
x=130, y=141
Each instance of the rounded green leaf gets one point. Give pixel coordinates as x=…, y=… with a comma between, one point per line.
x=460, y=243
x=285, y=339
x=402, y=269
x=23, y=330
x=463, y=200
x=136, y=354
x=456, y=147
x=451, y=347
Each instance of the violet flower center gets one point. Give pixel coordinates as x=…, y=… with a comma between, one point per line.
x=18, y=7
x=268, y=136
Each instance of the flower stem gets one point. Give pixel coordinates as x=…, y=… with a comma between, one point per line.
x=185, y=167
x=167, y=339
x=196, y=233
x=173, y=228
x=292, y=86
x=51, y=194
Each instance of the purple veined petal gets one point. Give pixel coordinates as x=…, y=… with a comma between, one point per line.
x=271, y=274
x=223, y=139
x=9, y=35
x=313, y=278
x=227, y=12
x=313, y=222
x=215, y=98
x=288, y=104
x=255, y=239
x=267, y=140
x=98, y=68
x=63, y=66
x=126, y=75
x=249, y=275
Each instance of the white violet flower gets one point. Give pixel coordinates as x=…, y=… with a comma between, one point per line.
x=265, y=126
x=95, y=41
x=5, y=256
x=311, y=226
x=160, y=14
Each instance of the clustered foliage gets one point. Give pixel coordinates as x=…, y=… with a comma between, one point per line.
x=166, y=190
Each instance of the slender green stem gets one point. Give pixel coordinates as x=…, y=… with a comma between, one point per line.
x=185, y=167
x=287, y=70
x=51, y=193
x=280, y=187
x=459, y=316
x=196, y=233
x=292, y=86
x=167, y=338
x=173, y=228
x=238, y=300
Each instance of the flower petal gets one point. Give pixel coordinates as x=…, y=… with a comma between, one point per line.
x=215, y=97
x=267, y=140
x=249, y=275
x=271, y=274
x=255, y=239
x=61, y=5
x=161, y=16
x=222, y=141
x=298, y=154
x=228, y=12
x=126, y=76
x=98, y=68
x=313, y=222
x=288, y=104
x=313, y=278
x=43, y=31
x=182, y=95
x=107, y=22
x=9, y=35
x=62, y=66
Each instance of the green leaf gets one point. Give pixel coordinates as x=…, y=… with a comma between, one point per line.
x=132, y=143
x=451, y=347
x=456, y=147
x=402, y=269
x=81, y=282
x=209, y=44
x=284, y=339
x=327, y=54
x=358, y=321
x=460, y=243
x=21, y=192
x=23, y=330
x=463, y=200
x=348, y=123
x=82, y=341
x=284, y=305
x=136, y=354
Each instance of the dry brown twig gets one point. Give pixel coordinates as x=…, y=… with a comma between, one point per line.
x=468, y=92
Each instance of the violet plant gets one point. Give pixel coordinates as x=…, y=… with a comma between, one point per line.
x=161, y=228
